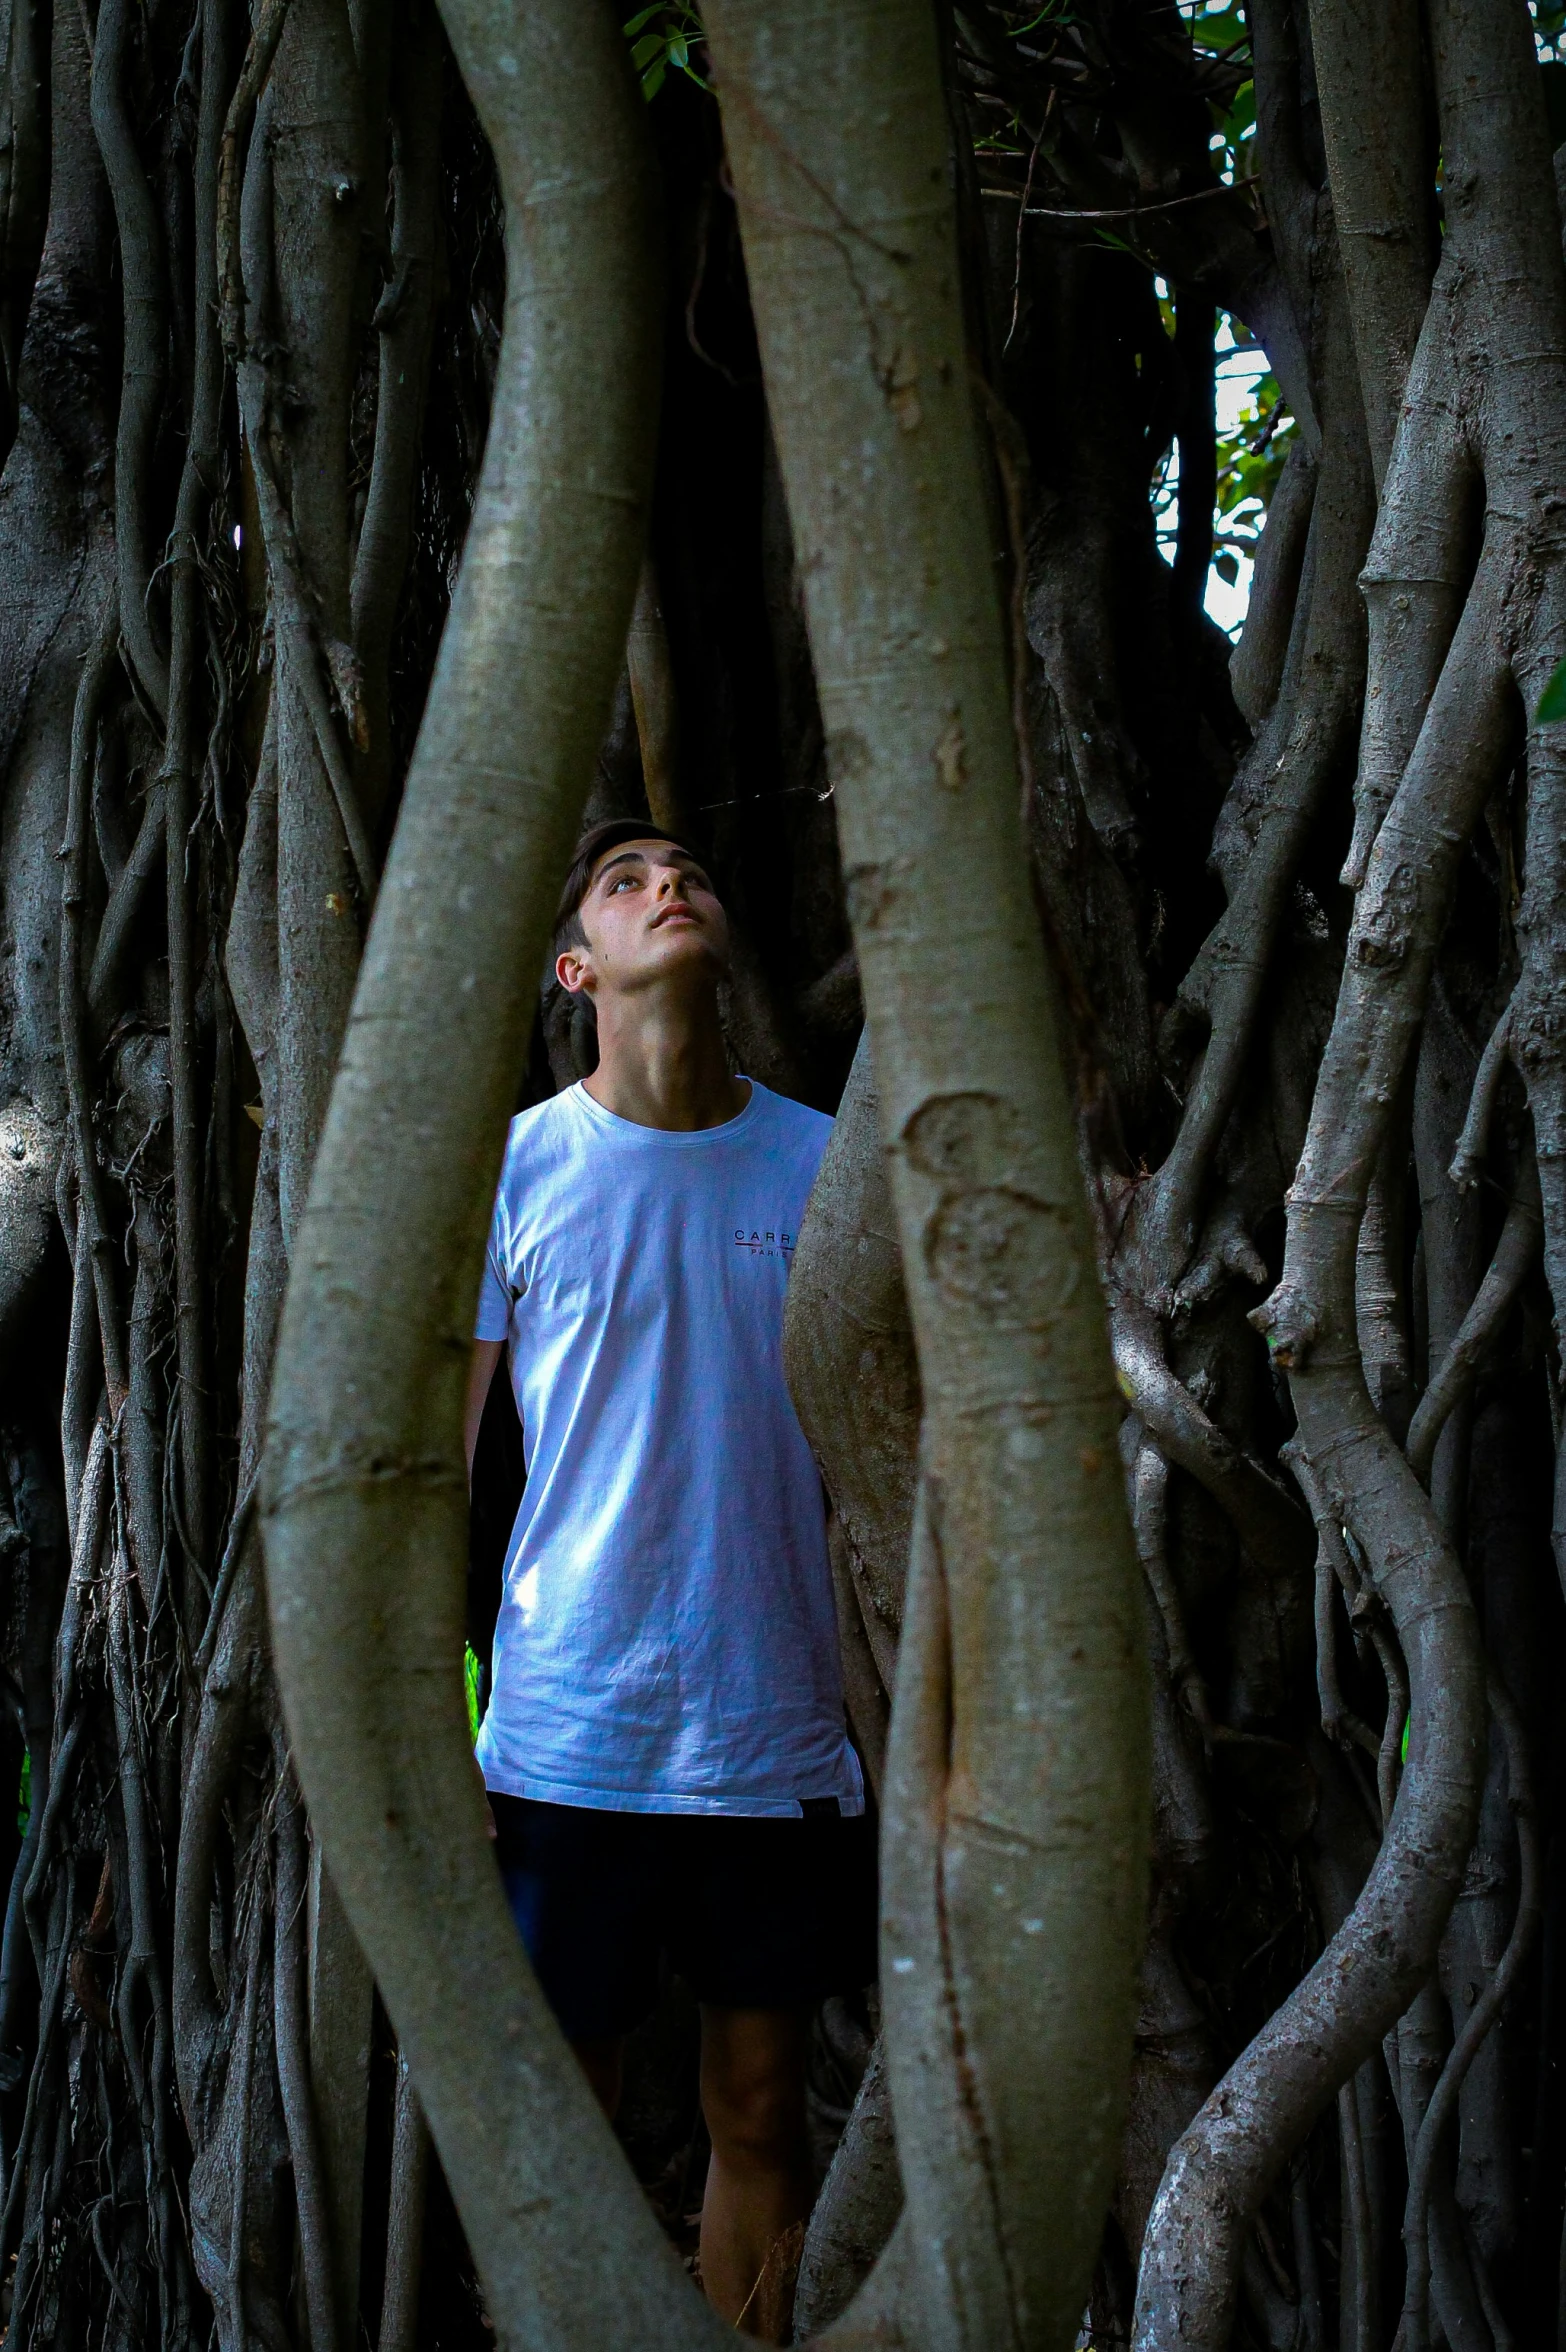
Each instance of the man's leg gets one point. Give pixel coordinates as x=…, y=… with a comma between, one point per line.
x=759, y=2181
x=579, y=1883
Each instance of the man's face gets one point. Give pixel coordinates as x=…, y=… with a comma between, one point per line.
x=651, y=916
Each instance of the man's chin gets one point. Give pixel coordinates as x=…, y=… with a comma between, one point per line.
x=682, y=939
x=685, y=953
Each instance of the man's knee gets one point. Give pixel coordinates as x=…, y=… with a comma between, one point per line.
x=753, y=2120
x=753, y=2086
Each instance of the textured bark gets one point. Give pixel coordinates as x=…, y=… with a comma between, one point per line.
x=365, y=1494
x=848, y=1350
x=860, y=2202
x=315, y=138
x=1375, y=121
x=1009, y=1921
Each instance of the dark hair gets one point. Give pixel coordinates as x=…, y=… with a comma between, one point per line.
x=594, y=845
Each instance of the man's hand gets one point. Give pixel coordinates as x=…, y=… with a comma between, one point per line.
x=486, y=1355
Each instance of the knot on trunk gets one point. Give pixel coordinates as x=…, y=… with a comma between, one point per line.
x=1388, y=911
x=1289, y=1325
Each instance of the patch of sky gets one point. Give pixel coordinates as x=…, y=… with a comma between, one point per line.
x=1253, y=426
x=1254, y=430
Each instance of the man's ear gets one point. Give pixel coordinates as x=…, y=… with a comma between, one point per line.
x=573, y=971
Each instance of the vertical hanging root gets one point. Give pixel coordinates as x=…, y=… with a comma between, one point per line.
x=293, y=2066
x=1010, y=1988
x=979, y=2293
x=1356, y=2224
x=405, y=2224
x=1481, y=2019
x=186, y=643
x=365, y=1496
x=99, y=1243
x=1515, y=1254
x=145, y=276
x=1334, y=1572
x=266, y=32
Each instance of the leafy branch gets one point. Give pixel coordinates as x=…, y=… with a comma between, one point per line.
x=663, y=36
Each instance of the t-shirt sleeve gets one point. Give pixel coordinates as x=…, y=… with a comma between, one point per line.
x=494, y=1300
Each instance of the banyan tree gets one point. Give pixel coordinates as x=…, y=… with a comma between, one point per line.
x=423, y=432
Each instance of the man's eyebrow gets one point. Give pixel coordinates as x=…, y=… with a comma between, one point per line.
x=676, y=857
x=639, y=856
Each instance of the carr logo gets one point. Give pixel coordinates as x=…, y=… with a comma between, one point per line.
x=763, y=1241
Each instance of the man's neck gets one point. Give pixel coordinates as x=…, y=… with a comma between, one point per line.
x=663, y=1064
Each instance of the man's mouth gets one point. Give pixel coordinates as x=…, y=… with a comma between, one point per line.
x=672, y=914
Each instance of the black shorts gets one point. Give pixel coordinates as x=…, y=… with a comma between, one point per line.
x=752, y=1913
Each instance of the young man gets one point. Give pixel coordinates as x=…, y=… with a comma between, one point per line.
x=665, y=1750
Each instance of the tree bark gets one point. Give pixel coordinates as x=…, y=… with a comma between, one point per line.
x=365, y=1474
x=1012, y=1911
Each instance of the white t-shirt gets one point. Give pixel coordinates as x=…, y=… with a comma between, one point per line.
x=667, y=1640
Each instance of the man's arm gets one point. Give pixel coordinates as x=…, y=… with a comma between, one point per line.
x=486, y=1355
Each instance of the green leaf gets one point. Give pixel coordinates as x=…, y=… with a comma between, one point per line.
x=1552, y=702
x=679, y=51
x=1219, y=32
x=633, y=24
x=650, y=45
x=652, y=80
x=1241, y=116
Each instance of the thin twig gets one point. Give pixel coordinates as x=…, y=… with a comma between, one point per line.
x=1016, y=272
x=1109, y=211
